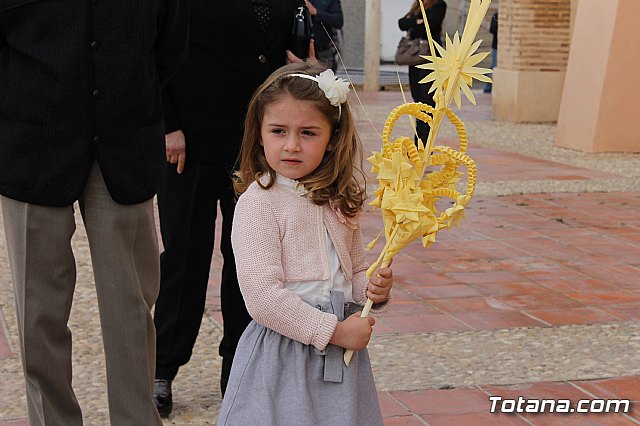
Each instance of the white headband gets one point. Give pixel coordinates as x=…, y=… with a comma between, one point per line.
x=334, y=88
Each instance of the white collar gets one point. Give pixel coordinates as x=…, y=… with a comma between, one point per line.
x=291, y=185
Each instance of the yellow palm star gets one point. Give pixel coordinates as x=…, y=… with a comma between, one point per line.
x=454, y=70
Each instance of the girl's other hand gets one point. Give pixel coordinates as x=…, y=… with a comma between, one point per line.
x=380, y=285
x=353, y=333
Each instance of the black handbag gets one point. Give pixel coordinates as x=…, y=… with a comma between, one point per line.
x=301, y=32
x=410, y=49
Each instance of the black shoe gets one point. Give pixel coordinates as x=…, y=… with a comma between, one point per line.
x=162, y=397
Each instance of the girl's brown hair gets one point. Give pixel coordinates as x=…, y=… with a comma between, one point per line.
x=415, y=8
x=339, y=179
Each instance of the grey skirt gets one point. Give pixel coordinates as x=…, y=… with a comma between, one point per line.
x=278, y=381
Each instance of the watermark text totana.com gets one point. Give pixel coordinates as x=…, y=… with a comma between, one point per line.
x=530, y=405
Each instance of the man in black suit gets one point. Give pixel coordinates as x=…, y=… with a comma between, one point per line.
x=81, y=119
x=234, y=46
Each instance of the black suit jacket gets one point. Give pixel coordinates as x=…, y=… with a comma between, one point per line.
x=81, y=80
x=229, y=57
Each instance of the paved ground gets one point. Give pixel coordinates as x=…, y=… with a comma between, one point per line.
x=536, y=295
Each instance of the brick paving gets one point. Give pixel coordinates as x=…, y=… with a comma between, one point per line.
x=468, y=406
x=564, y=261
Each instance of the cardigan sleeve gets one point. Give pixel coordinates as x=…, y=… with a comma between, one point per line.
x=257, y=247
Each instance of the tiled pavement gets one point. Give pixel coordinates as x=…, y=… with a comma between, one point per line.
x=520, y=262
x=469, y=405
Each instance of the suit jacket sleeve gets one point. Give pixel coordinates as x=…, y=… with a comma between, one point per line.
x=3, y=42
x=173, y=34
x=171, y=119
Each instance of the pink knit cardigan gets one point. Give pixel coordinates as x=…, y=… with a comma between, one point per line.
x=279, y=236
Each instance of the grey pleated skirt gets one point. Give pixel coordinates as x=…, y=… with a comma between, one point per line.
x=277, y=381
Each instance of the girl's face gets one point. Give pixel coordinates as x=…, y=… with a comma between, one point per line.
x=295, y=136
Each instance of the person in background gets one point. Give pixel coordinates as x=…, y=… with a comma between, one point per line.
x=81, y=119
x=300, y=259
x=206, y=103
x=413, y=23
x=327, y=19
x=493, y=29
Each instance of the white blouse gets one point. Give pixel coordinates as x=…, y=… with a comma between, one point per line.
x=317, y=293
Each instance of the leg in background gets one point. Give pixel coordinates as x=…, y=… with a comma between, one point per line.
x=420, y=93
x=494, y=61
x=234, y=312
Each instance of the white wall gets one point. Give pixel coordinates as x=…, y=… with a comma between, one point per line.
x=391, y=11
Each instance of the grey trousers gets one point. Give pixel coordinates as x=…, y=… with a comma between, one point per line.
x=124, y=254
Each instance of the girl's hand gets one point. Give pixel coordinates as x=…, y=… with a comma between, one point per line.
x=380, y=285
x=353, y=333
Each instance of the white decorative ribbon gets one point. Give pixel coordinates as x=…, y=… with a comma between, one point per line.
x=334, y=88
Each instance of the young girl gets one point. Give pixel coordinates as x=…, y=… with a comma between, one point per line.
x=300, y=260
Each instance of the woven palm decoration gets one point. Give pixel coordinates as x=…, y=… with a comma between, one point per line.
x=412, y=179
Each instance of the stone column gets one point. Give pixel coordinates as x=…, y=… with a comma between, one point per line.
x=533, y=51
x=353, y=31
x=599, y=110
x=372, y=46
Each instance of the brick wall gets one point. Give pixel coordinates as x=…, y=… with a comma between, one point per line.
x=534, y=35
